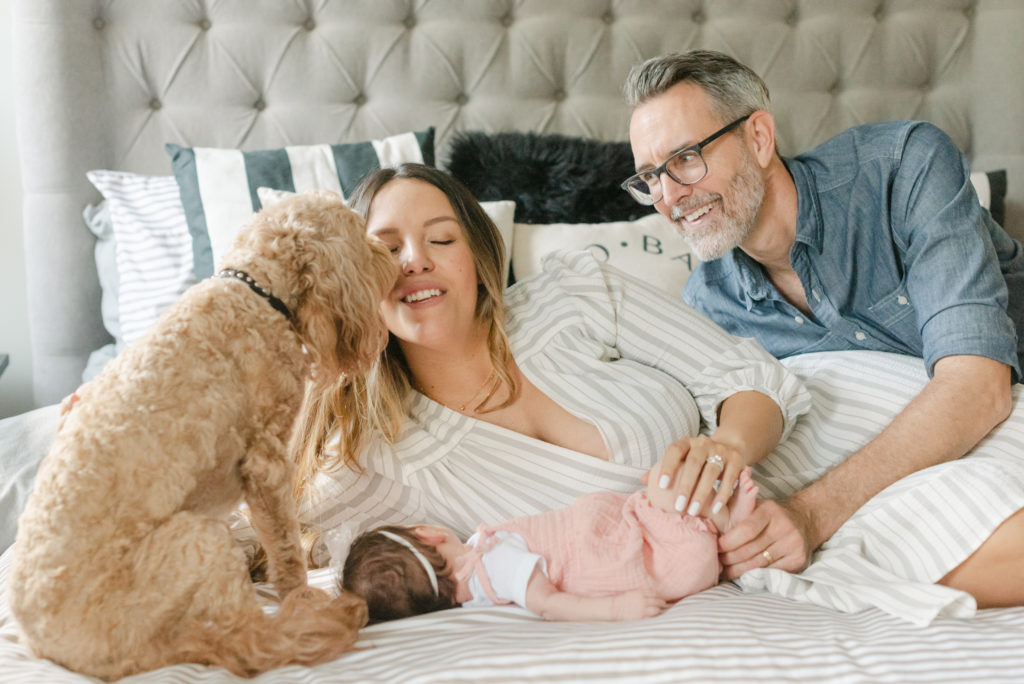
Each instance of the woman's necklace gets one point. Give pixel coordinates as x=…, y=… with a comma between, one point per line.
x=462, y=407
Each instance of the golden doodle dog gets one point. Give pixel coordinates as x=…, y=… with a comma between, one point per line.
x=124, y=562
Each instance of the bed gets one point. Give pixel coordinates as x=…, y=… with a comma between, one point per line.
x=493, y=90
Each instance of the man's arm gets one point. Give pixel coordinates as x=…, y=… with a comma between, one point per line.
x=545, y=600
x=966, y=398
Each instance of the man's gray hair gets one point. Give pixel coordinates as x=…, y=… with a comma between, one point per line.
x=735, y=90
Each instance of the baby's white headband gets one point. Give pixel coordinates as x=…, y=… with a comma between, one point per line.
x=419, y=556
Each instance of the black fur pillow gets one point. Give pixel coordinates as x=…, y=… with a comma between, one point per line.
x=552, y=178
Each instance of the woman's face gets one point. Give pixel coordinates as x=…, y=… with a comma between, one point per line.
x=433, y=302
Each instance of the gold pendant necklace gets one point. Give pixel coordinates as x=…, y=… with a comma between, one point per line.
x=462, y=407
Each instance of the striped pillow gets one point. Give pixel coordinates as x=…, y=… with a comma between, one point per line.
x=218, y=186
x=152, y=246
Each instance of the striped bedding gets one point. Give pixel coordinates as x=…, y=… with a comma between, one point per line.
x=865, y=611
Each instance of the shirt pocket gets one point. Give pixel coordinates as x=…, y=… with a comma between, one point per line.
x=891, y=310
x=893, y=315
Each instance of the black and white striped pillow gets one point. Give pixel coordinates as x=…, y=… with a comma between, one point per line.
x=152, y=245
x=218, y=186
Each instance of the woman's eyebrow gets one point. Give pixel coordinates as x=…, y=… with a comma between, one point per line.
x=438, y=219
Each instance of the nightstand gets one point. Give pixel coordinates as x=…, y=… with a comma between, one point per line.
x=3, y=362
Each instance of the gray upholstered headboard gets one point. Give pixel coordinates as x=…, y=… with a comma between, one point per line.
x=105, y=83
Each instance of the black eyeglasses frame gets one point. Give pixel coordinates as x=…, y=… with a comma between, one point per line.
x=663, y=169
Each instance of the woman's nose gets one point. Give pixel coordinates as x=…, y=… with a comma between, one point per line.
x=415, y=260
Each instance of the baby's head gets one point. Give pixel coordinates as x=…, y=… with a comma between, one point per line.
x=398, y=574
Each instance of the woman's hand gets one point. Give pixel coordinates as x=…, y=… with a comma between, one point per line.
x=697, y=474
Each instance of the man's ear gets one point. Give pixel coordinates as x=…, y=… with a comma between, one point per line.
x=761, y=136
x=427, y=535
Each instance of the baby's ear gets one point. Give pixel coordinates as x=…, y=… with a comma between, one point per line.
x=427, y=535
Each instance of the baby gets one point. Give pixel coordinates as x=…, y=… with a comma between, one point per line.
x=607, y=556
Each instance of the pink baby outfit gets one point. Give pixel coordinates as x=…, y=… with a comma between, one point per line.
x=607, y=543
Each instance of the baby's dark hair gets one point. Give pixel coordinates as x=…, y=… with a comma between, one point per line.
x=392, y=580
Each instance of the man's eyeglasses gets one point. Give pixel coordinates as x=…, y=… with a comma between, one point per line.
x=686, y=167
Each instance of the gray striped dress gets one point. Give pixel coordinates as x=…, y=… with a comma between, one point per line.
x=644, y=368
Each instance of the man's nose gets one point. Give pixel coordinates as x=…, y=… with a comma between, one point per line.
x=672, y=192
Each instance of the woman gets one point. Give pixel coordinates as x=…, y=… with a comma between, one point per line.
x=581, y=380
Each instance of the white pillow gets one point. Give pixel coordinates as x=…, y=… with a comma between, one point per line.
x=501, y=212
x=648, y=248
x=152, y=244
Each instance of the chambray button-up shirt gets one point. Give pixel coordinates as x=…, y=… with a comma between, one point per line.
x=893, y=251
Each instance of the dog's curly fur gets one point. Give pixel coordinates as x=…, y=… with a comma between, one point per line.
x=123, y=561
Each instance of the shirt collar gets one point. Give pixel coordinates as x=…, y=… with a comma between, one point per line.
x=809, y=228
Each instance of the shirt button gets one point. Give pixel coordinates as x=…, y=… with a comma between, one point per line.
x=798, y=319
x=902, y=300
x=861, y=336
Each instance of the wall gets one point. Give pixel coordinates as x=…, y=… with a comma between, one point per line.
x=16, y=381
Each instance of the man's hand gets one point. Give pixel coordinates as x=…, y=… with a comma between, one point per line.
x=774, y=535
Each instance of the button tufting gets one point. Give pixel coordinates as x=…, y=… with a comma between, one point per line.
x=608, y=17
x=155, y=104
x=793, y=18
x=410, y=22
x=260, y=104
x=204, y=24
x=698, y=17
x=559, y=95
x=461, y=99
x=309, y=24
x=879, y=13
x=506, y=20
x=360, y=100
x=834, y=90
x=98, y=23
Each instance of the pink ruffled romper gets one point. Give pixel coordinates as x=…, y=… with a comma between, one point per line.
x=607, y=543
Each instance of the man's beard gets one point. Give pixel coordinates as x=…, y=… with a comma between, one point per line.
x=732, y=222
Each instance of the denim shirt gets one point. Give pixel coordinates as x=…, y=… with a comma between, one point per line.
x=894, y=253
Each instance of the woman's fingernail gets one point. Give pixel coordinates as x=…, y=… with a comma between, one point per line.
x=680, y=503
x=663, y=482
x=717, y=507
x=694, y=507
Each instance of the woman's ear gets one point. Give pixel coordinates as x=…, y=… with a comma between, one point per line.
x=761, y=137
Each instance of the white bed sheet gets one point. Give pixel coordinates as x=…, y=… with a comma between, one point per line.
x=723, y=634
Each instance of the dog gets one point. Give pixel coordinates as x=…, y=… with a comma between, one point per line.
x=124, y=562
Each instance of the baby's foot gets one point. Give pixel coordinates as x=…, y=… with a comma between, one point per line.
x=740, y=505
x=743, y=499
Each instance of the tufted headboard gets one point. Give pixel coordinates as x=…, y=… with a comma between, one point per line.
x=105, y=83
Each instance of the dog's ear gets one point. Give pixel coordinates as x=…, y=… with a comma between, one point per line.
x=341, y=287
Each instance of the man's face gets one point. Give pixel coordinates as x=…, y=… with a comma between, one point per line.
x=718, y=212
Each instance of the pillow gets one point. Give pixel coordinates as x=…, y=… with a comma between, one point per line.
x=991, y=189
x=502, y=213
x=152, y=245
x=97, y=220
x=218, y=186
x=552, y=178
x=648, y=248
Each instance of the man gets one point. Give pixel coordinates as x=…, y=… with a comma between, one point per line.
x=874, y=240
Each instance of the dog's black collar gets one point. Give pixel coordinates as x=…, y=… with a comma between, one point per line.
x=247, y=279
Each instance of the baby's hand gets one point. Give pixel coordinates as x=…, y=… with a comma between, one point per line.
x=636, y=605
